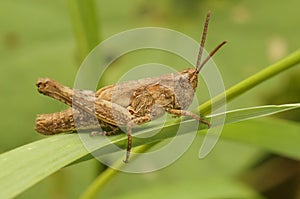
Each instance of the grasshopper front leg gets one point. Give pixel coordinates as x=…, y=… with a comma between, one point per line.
x=177, y=112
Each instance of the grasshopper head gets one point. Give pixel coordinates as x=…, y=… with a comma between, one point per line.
x=192, y=76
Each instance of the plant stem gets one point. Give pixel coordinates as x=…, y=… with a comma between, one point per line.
x=98, y=183
x=109, y=172
x=251, y=82
x=85, y=24
x=231, y=93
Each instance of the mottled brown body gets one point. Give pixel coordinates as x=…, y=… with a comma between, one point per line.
x=117, y=104
x=125, y=104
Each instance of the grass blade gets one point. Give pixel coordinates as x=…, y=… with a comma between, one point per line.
x=254, y=112
x=23, y=167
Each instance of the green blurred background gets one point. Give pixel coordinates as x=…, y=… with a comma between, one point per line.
x=37, y=40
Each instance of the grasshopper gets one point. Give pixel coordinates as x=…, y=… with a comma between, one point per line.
x=126, y=104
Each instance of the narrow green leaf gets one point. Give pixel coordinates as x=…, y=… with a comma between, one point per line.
x=23, y=167
x=232, y=117
x=254, y=112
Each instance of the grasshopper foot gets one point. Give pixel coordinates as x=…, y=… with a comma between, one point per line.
x=127, y=157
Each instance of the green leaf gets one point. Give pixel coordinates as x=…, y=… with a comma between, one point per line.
x=259, y=138
x=254, y=112
x=23, y=167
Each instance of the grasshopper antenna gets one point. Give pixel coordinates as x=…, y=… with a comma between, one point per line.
x=200, y=65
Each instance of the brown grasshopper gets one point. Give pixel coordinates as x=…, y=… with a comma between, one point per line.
x=126, y=104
